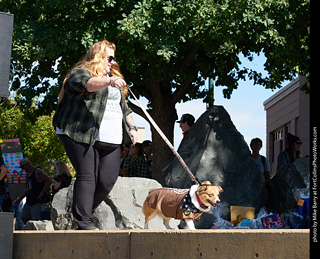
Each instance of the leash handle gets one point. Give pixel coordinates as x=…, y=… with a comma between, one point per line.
x=154, y=124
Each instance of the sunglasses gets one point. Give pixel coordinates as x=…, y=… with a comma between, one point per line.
x=110, y=58
x=299, y=143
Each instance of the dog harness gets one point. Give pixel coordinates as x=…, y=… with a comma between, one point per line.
x=173, y=203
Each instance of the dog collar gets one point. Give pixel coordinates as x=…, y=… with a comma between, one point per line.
x=200, y=202
x=187, y=205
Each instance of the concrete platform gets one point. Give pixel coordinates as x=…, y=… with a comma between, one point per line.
x=6, y=235
x=139, y=244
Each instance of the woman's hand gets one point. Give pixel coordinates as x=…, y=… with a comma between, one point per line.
x=118, y=82
x=132, y=129
x=134, y=136
x=97, y=83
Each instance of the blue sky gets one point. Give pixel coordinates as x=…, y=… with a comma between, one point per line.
x=245, y=107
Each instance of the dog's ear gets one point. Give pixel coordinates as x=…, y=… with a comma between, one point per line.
x=220, y=189
x=202, y=188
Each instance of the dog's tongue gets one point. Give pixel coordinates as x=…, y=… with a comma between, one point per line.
x=212, y=204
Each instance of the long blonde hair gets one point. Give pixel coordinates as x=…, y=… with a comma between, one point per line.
x=61, y=168
x=93, y=61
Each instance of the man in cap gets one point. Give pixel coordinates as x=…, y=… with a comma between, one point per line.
x=186, y=121
x=36, y=191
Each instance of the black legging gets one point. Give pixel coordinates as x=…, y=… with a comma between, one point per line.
x=97, y=170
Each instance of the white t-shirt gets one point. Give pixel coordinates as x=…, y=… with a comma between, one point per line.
x=263, y=168
x=111, y=125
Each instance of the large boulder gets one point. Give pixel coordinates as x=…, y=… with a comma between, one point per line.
x=61, y=212
x=122, y=208
x=214, y=150
x=38, y=225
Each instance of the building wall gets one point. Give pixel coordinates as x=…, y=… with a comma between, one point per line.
x=304, y=123
x=141, y=134
x=288, y=110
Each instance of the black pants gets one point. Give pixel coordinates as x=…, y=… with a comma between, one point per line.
x=97, y=169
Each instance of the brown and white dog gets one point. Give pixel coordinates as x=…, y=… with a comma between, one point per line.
x=183, y=204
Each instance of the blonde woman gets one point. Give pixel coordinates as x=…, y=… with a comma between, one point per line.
x=62, y=169
x=92, y=120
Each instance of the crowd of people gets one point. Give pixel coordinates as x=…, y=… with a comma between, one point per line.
x=135, y=161
x=37, y=194
x=289, y=155
x=40, y=188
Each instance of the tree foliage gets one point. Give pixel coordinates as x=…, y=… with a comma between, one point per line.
x=38, y=140
x=166, y=48
x=175, y=42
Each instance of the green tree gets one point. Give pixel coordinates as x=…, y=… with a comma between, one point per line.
x=38, y=140
x=166, y=49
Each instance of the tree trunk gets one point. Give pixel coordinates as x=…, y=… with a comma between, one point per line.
x=164, y=114
x=165, y=118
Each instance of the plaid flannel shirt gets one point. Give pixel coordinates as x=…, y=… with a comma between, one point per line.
x=135, y=166
x=79, y=114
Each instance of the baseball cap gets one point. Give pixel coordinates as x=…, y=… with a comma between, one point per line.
x=187, y=118
x=24, y=161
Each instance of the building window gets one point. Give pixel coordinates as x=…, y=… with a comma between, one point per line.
x=277, y=142
x=278, y=135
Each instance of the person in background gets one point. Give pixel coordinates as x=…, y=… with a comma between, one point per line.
x=186, y=122
x=18, y=209
x=135, y=163
x=7, y=201
x=92, y=120
x=148, y=156
x=292, y=152
x=62, y=169
x=37, y=186
x=59, y=182
x=3, y=173
x=261, y=161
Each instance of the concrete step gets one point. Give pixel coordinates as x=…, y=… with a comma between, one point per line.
x=139, y=244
